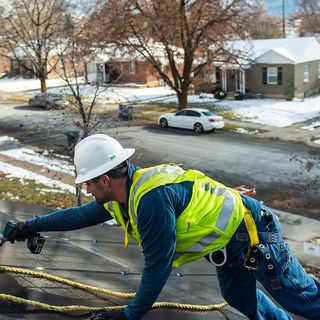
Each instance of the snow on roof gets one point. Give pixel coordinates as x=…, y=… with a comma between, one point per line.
x=295, y=50
x=25, y=50
x=125, y=54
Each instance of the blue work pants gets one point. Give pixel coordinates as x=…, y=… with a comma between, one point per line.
x=289, y=284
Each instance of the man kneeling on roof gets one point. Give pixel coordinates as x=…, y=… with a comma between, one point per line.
x=179, y=216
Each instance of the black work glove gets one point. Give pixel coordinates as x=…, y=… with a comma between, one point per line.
x=109, y=315
x=21, y=233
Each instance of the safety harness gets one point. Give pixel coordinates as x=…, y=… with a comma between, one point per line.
x=258, y=248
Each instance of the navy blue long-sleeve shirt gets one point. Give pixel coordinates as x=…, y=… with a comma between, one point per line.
x=157, y=213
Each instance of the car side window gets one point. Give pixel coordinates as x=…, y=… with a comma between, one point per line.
x=181, y=113
x=192, y=113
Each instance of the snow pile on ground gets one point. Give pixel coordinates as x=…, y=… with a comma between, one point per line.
x=278, y=113
x=17, y=172
x=18, y=152
x=120, y=94
x=312, y=126
x=30, y=156
x=19, y=84
x=245, y=131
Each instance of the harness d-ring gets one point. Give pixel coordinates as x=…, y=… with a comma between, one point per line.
x=218, y=264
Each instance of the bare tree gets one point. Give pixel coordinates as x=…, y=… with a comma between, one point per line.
x=191, y=34
x=72, y=51
x=263, y=26
x=29, y=30
x=310, y=17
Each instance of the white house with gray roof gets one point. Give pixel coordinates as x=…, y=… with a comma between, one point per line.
x=275, y=68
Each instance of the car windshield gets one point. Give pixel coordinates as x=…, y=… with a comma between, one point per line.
x=207, y=113
x=55, y=95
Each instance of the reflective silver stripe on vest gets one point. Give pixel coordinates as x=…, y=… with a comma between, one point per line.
x=144, y=177
x=226, y=211
x=228, y=204
x=110, y=206
x=203, y=243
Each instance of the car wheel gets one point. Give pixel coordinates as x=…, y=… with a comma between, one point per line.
x=198, y=128
x=48, y=106
x=163, y=123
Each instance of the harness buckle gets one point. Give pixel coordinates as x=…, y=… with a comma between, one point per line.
x=218, y=258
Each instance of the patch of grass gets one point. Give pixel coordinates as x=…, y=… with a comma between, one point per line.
x=157, y=107
x=19, y=97
x=28, y=191
x=145, y=116
x=229, y=115
x=231, y=127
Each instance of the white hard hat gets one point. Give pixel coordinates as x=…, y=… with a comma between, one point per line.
x=96, y=155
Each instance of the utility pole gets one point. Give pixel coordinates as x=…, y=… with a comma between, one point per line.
x=283, y=20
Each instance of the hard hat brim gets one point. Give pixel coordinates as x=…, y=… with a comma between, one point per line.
x=126, y=154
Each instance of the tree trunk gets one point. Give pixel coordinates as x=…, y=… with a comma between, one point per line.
x=183, y=98
x=43, y=84
x=79, y=194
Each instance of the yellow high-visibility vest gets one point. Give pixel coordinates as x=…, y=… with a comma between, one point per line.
x=206, y=224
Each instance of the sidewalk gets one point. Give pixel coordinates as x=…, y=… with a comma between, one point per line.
x=294, y=133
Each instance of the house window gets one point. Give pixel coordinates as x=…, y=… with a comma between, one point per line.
x=306, y=73
x=272, y=75
x=132, y=67
x=318, y=70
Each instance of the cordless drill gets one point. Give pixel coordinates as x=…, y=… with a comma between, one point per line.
x=34, y=244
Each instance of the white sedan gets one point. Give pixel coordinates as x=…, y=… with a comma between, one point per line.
x=196, y=119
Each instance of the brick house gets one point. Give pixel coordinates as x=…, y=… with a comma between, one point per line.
x=125, y=66
x=273, y=68
x=109, y=70
x=4, y=63
x=15, y=67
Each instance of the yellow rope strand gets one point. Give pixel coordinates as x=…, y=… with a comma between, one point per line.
x=54, y=308
x=66, y=281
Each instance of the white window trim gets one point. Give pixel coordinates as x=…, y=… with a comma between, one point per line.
x=268, y=75
x=306, y=73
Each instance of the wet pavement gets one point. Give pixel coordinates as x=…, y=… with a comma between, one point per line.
x=96, y=256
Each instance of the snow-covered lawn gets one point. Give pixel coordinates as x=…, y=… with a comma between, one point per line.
x=279, y=113
x=20, y=84
x=19, y=152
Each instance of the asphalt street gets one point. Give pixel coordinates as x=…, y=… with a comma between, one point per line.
x=275, y=168
x=285, y=173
